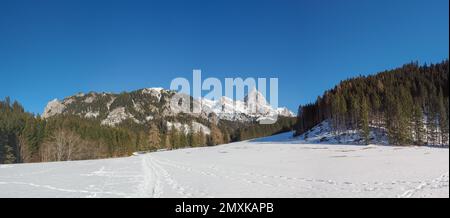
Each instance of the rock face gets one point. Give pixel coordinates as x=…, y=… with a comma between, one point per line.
x=155, y=92
x=117, y=116
x=198, y=127
x=53, y=108
x=145, y=105
x=186, y=129
x=257, y=104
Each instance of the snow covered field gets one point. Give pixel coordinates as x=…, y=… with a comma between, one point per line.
x=271, y=167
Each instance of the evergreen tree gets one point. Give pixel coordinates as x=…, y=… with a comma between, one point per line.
x=419, y=130
x=168, y=142
x=183, y=139
x=364, y=121
x=174, y=138
x=200, y=138
x=190, y=136
x=216, y=137
x=8, y=155
x=154, y=140
x=443, y=120
x=376, y=107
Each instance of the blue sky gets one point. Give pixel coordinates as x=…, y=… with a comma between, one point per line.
x=53, y=49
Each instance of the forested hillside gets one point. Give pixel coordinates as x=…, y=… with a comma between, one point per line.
x=25, y=137
x=410, y=104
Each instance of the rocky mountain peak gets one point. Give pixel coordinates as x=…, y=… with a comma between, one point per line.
x=142, y=106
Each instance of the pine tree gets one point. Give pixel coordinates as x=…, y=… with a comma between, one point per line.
x=376, y=104
x=183, y=140
x=154, y=140
x=216, y=137
x=201, y=138
x=364, y=121
x=190, y=136
x=443, y=120
x=355, y=111
x=337, y=114
x=8, y=155
x=226, y=137
x=342, y=112
x=174, y=138
x=167, y=141
x=419, y=130
x=432, y=125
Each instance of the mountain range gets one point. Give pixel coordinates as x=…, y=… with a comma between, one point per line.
x=147, y=104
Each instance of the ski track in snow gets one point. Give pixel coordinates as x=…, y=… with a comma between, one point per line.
x=152, y=180
x=279, y=181
x=263, y=168
x=91, y=193
x=440, y=182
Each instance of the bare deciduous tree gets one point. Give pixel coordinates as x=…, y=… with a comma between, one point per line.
x=61, y=146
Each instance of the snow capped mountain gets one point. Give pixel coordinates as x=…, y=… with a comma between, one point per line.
x=282, y=111
x=144, y=105
x=254, y=106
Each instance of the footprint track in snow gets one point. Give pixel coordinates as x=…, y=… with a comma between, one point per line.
x=183, y=190
x=441, y=181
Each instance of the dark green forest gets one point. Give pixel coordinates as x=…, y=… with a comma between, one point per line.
x=26, y=138
x=410, y=103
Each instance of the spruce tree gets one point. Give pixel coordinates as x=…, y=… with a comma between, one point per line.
x=419, y=130
x=191, y=136
x=201, y=140
x=174, y=138
x=8, y=154
x=443, y=121
x=364, y=121
x=216, y=137
x=154, y=140
x=183, y=140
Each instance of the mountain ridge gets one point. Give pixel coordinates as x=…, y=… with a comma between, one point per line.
x=143, y=105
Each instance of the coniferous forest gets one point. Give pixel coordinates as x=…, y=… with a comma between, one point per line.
x=410, y=104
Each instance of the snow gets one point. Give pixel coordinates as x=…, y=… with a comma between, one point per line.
x=90, y=99
x=150, y=90
x=196, y=127
x=178, y=126
x=108, y=105
x=91, y=114
x=68, y=101
x=80, y=95
x=148, y=118
x=116, y=117
x=277, y=166
x=283, y=111
x=254, y=105
x=323, y=133
x=155, y=92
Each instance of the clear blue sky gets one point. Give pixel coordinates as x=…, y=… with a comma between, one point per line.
x=53, y=49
